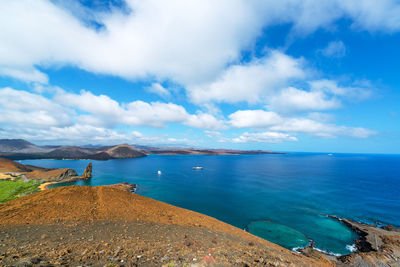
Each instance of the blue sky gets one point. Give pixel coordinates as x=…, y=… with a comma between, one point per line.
x=245, y=74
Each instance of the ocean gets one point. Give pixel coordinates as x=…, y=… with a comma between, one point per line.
x=282, y=198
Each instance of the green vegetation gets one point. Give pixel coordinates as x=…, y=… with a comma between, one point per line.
x=13, y=189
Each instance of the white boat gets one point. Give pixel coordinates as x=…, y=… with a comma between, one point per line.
x=330, y=154
x=197, y=168
x=159, y=172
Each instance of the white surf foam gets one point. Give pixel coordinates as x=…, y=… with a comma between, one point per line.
x=351, y=248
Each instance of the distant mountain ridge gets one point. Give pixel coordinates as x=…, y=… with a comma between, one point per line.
x=22, y=149
x=20, y=146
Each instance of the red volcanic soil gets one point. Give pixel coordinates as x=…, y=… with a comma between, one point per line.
x=80, y=225
x=7, y=165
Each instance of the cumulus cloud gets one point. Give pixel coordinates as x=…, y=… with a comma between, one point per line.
x=250, y=82
x=106, y=111
x=26, y=109
x=275, y=123
x=77, y=133
x=304, y=125
x=204, y=121
x=155, y=38
x=184, y=41
x=293, y=99
x=263, y=137
x=254, y=119
x=27, y=74
x=86, y=116
x=35, y=117
x=318, y=95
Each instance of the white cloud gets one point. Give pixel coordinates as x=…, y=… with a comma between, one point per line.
x=254, y=118
x=158, y=89
x=263, y=137
x=334, y=49
x=86, y=101
x=319, y=95
x=31, y=110
x=204, y=121
x=180, y=40
x=86, y=116
x=294, y=125
x=106, y=111
x=373, y=15
x=304, y=125
x=186, y=41
x=74, y=134
x=293, y=99
x=28, y=74
x=360, y=90
x=251, y=82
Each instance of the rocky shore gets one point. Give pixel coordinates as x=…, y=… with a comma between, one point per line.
x=375, y=247
x=11, y=170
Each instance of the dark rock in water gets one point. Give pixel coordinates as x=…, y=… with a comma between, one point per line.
x=88, y=172
x=362, y=243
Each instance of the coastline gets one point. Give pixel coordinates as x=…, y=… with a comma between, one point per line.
x=45, y=186
x=365, y=247
x=376, y=246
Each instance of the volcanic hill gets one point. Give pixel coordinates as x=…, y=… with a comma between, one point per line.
x=80, y=225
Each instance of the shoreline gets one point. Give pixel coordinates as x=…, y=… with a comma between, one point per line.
x=371, y=238
x=45, y=186
x=376, y=246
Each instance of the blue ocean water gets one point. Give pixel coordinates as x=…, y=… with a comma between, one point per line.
x=282, y=198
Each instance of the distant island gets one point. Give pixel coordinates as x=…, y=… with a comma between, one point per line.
x=19, y=149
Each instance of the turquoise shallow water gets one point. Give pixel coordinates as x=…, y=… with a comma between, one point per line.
x=282, y=198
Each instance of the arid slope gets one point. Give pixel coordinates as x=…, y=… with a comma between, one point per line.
x=88, y=211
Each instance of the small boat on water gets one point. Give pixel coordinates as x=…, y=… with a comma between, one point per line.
x=159, y=172
x=197, y=168
x=330, y=154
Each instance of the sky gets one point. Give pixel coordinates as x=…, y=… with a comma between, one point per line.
x=289, y=75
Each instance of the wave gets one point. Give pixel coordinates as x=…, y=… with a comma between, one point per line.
x=296, y=249
x=328, y=252
x=351, y=248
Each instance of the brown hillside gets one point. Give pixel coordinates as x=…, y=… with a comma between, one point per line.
x=7, y=165
x=80, y=205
